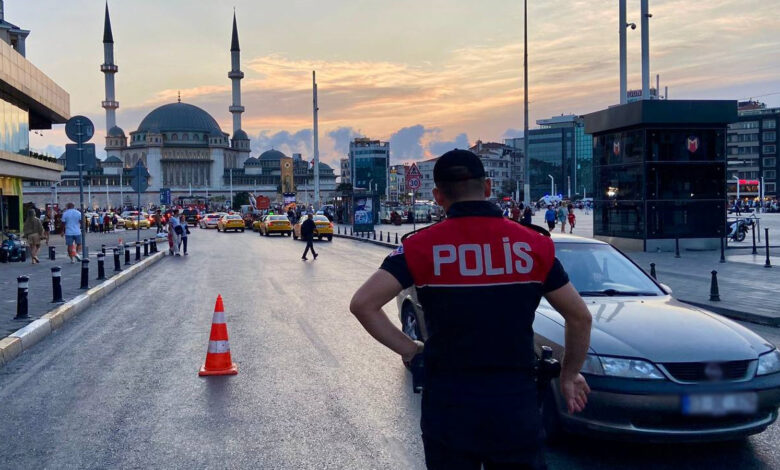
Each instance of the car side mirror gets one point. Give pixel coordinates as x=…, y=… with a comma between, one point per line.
x=666, y=288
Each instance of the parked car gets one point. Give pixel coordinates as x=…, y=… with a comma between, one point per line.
x=658, y=369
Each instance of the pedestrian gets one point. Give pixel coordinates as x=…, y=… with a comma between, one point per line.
x=48, y=225
x=308, y=228
x=114, y=221
x=158, y=221
x=185, y=232
x=562, y=214
x=174, y=232
x=480, y=400
x=572, y=218
x=93, y=223
x=515, y=213
x=106, y=222
x=71, y=230
x=550, y=217
x=528, y=213
x=33, y=232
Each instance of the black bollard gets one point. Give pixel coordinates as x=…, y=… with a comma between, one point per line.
x=117, y=268
x=56, y=284
x=350, y=231
x=767, y=264
x=51, y=253
x=714, y=294
x=101, y=268
x=153, y=245
x=23, y=287
x=722, y=251
x=103, y=249
x=127, y=254
x=146, y=247
x=396, y=238
x=677, y=247
x=84, y=274
x=338, y=230
x=374, y=234
x=137, y=251
x=652, y=270
x=753, y=231
x=380, y=236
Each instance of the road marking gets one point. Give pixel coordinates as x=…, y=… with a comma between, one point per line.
x=318, y=344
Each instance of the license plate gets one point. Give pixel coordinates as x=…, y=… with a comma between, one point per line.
x=719, y=404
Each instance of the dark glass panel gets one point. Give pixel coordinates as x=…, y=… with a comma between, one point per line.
x=622, y=182
x=686, y=219
x=619, y=219
x=685, y=181
x=693, y=145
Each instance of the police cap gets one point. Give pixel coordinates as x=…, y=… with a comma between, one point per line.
x=458, y=165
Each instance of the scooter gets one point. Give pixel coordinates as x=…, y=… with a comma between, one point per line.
x=12, y=249
x=739, y=229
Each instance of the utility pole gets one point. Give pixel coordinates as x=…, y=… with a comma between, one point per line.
x=645, y=20
x=80, y=142
x=527, y=188
x=622, y=25
x=316, y=144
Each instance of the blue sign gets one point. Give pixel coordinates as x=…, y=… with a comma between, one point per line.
x=365, y=210
x=165, y=196
x=140, y=177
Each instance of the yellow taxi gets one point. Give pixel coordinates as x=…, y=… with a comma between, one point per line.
x=275, y=224
x=133, y=222
x=230, y=222
x=324, y=228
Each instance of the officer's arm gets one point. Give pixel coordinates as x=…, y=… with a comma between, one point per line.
x=567, y=301
x=367, y=305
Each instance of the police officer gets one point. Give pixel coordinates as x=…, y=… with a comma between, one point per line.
x=479, y=278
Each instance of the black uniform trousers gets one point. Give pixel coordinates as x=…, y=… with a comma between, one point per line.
x=309, y=246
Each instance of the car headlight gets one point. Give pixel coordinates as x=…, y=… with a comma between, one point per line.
x=621, y=367
x=769, y=363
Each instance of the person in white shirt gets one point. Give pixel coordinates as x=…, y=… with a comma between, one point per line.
x=71, y=223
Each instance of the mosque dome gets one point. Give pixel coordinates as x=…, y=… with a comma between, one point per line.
x=179, y=117
x=113, y=159
x=272, y=155
x=240, y=135
x=116, y=131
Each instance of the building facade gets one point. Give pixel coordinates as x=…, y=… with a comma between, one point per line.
x=397, y=183
x=560, y=158
x=369, y=165
x=29, y=100
x=498, y=160
x=752, y=152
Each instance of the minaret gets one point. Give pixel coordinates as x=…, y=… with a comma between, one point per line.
x=235, y=75
x=109, y=69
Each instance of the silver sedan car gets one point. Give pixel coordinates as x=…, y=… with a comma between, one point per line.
x=659, y=369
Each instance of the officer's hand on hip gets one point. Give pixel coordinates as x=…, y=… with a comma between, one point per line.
x=575, y=391
x=407, y=357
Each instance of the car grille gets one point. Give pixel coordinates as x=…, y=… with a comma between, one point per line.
x=695, y=371
x=675, y=422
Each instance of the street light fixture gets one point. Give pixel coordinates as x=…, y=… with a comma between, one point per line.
x=552, y=185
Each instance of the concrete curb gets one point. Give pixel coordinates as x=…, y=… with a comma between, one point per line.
x=23, y=339
x=735, y=314
x=367, y=240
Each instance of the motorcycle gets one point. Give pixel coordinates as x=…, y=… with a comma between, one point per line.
x=738, y=229
x=12, y=249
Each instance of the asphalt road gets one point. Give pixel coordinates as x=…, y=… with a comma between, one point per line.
x=118, y=386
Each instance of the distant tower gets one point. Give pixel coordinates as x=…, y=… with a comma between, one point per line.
x=109, y=69
x=235, y=75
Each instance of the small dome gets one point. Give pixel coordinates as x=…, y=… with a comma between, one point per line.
x=178, y=117
x=272, y=155
x=113, y=159
x=116, y=131
x=251, y=161
x=240, y=135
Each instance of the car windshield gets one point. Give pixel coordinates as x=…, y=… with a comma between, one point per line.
x=600, y=270
x=320, y=218
x=278, y=217
x=213, y=216
x=233, y=217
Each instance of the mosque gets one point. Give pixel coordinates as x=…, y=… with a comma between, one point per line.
x=185, y=151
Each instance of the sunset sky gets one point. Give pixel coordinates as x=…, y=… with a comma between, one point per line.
x=428, y=75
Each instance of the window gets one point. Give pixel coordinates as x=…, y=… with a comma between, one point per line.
x=770, y=136
x=770, y=162
x=769, y=123
x=770, y=174
x=770, y=188
x=175, y=137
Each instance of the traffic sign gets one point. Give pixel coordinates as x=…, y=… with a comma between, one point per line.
x=165, y=196
x=73, y=159
x=140, y=177
x=414, y=177
x=79, y=129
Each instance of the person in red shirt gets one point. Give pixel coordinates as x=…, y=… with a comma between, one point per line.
x=572, y=218
x=515, y=213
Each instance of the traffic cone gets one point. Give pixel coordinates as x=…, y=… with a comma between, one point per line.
x=218, y=360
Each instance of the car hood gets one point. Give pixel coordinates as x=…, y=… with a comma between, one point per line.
x=665, y=330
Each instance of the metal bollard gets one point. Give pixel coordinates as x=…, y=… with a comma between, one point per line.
x=146, y=247
x=714, y=294
x=350, y=231
x=56, y=284
x=753, y=231
x=101, y=268
x=51, y=253
x=652, y=271
x=722, y=251
x=396, y=238
x=137, y=252
x=374, y=234
x=153, y=245
x=677, y=247
x=380, y=236
x=117, y=268
x=338, y=230
x=23, y=287
x=103, y=249
x=84, y=274
x=767, y=264
x=127, y=253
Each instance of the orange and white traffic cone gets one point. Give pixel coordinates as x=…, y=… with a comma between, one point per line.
x=218, y=360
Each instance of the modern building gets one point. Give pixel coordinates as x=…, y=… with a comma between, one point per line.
x=752, y=152
x=517, y=172
x=369, y=165
x=397, y=184
x=498, y=160
x=345, y=176
x=183, y=149
x=29, y=100
x=561, y=158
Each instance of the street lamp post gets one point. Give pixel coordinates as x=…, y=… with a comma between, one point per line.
x=552, y=185
x=737, y=178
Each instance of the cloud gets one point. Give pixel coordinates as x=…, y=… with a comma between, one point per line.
x=512, y=133
x=405, y=143
x=340, y=138
x=284, y=141
x=436, y=148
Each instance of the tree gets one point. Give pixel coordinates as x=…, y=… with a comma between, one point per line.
x=508, y=188
x=344, y=187
x=240, y=199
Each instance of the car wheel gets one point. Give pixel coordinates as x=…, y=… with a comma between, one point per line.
x=330, y=238
x=409, y=323
x=242, y=230
x=740, y=236
x=551, y=420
